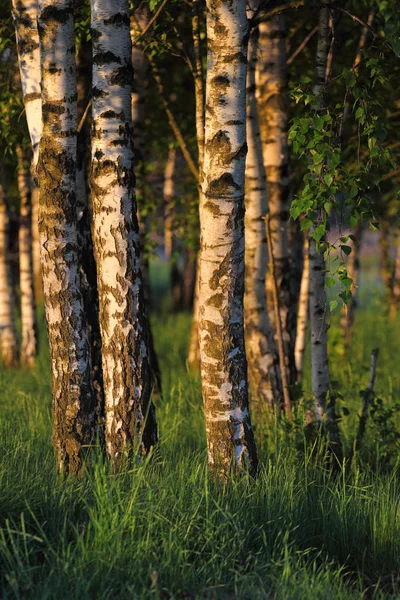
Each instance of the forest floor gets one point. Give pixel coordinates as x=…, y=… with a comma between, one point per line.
x=164, y=530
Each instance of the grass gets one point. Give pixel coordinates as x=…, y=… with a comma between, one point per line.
x=164, y=530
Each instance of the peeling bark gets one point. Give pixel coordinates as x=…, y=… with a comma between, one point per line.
x=272, y=98
x=130, y=415
x=29, y=340
x=74, y=407
x=8, y=330
x=230, y=438
x=262, y=354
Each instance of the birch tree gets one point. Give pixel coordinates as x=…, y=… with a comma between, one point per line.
x=273, y=111
x=302, y=314
x=25, y=14
x=262, y=355
x=74, y=407
x=130, y=417
x=8, y=330
x=199, y=87
x=230, y=438
x=29, y=341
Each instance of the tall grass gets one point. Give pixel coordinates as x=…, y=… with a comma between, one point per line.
x=163, y=529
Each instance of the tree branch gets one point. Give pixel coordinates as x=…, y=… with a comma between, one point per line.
x=149, y=24
x=302, y=45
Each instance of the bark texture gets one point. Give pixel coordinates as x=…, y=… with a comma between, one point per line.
x=317, y=293
x=262, y=355
x=130, y=415
x=169, y=195
x=29, y=340
x=198, y=7
x=302, y=314
x=87, y=264
x=25, y=14
x=37, y=268
x=74, y=408
x=222, y=352
x=273, y=111
x=8, y=330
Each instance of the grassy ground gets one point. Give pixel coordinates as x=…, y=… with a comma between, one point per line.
x=163, y=530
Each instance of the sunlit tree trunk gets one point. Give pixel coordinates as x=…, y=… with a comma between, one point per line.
x=302, y=314
x=37, y=268
x=169, y=196
x=198, y=7
x=8, y=331
x=130, y=416
x=262, y=355
x=26, y=276
x=273, y=111
x=74, y=407
x=222, y=352
x=25, y=14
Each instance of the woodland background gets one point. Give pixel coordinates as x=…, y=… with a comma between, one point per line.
x=320, y=518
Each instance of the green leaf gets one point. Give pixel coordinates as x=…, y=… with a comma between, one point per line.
x=332, y=305
x=346, y=249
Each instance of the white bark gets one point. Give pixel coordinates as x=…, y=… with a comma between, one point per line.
x=222, y=353
x=74, y=408
x=262, y=355
x=25, y=14
x=302, y=314
x=126, y=369
x=272, y=99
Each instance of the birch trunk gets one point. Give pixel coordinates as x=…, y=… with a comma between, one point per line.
x=169, y=195
x=87, y=264
x=29, y=342
x=262, y=355
x=198, y=7
x=25, y=14
x=37, y=268
x=318, y=304
x=74, y=407
x=8, y=330
x=317, y=292
x=386, y=269
x=302, y=314
x=138, y=23
x=273, y=112
x=230, y=438
x=130, y=416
